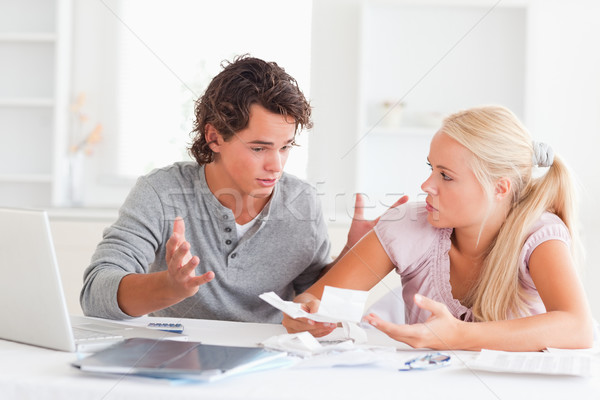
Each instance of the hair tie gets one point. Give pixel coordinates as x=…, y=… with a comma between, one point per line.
x=543, y=155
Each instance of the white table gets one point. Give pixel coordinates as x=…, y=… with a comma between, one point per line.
x=28, y=372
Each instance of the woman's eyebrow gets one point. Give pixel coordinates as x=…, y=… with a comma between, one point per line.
x=442, y=167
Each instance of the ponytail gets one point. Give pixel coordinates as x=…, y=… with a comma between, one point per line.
x=498, y=294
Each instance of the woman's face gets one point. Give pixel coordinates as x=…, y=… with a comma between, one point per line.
x=455, y=199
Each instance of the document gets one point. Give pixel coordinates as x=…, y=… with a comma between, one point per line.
x=180, y=360
x=534, y=363
x=337, y=305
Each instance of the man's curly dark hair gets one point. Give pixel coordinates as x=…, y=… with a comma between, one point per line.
x=242, y=83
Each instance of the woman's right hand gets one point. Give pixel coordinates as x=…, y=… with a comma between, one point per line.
x=310, y=304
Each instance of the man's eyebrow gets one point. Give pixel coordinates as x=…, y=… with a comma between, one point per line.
x=264, y=143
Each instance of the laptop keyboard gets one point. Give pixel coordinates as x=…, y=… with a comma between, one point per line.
x=87, y=335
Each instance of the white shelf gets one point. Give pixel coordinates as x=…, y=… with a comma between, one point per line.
x=402, y=130
x=28, y=37
x=83, y=214
x=25, y=178
x=27, y=102
x=35, y=44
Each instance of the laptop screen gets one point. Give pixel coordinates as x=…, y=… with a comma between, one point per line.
x=33, y=308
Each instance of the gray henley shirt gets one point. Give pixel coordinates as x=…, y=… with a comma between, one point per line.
x=284, y=251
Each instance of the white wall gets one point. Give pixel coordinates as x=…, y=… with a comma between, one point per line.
x=563, y=106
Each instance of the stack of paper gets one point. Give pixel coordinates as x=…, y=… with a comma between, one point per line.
x=533, y=363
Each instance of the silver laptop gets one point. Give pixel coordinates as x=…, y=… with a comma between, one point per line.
x=33, y=309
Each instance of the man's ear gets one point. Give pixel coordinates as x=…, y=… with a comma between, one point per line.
x=213, y=138
x=503, y=186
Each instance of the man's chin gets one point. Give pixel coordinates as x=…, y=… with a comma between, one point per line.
x=262, y=193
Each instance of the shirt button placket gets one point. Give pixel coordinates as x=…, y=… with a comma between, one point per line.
x=229, y=241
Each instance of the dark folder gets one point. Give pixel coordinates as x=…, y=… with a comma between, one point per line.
x=180, y=360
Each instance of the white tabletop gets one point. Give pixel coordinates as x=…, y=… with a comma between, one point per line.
x=28, y=372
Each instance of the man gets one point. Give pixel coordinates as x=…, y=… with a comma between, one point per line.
x=203, y=239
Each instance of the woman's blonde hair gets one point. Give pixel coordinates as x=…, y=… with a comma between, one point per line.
x=503, y=148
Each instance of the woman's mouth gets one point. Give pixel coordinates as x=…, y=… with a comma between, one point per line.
x=430, y=208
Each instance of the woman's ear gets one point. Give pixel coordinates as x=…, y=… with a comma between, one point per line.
x=213, y=138
x=503, y=186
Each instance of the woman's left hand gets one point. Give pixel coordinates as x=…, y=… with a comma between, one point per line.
x=441, y=330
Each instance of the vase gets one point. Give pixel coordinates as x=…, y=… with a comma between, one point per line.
x=76, y=182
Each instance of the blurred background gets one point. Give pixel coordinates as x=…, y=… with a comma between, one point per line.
x=94, y=93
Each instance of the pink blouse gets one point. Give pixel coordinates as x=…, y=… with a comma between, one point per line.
x=420, y=253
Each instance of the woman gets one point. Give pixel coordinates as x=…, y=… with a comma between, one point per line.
x=493, y=244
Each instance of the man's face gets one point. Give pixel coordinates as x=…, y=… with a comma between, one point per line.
x=252, y=161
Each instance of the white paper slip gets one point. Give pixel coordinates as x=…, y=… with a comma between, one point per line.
x=337, y=305
x=533, y=363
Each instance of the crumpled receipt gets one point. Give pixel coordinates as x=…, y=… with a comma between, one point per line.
x=303, y=344
x=337, y=305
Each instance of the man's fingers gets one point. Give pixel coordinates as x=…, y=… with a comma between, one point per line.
x=182, y=255
x=191, y=264
x=400, y=201
x=359, y=207
x=317, y=329
x=176, y=238
x=172, y=245
x=202, y=279
x=312, y=306
x=179, y=226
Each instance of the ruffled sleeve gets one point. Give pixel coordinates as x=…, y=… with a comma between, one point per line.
x=406, y=235
x=548, y=227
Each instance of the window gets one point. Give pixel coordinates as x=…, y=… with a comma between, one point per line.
x=166, y=53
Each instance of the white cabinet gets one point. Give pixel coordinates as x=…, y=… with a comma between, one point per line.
x=433, y=58
x=34, y=75
x=429, y=61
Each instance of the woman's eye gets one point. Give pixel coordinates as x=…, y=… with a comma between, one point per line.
x=446, y=177
x=429, y=165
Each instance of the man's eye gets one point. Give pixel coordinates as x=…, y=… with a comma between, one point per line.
x=258, y=149
x=286, y=148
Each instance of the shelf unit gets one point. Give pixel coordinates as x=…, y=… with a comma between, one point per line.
x=34, y=75
x=432, y=57
x=428, y=59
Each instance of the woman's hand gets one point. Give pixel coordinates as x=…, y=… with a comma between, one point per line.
x=441, y=330
x=310, y=305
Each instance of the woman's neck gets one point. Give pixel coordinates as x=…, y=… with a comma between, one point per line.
x=474, y=242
